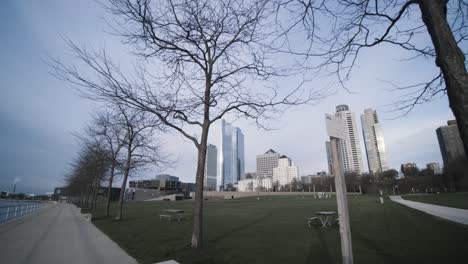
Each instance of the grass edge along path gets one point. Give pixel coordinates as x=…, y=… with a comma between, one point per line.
x=455, y=200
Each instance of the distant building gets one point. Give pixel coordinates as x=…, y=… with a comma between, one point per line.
x=211, y=168
x=231, y=155
x=286, y=171
x=450, y=143
x=329, y=158
x=350, y=148
x=254, y=185
x=167, y=177
x=373, y=142
x=409, y=169
x=159, y=184
x=434, y=167
x=266, y=163
x=308, y=178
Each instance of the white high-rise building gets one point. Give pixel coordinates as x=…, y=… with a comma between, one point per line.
x=350, y=148
x=210, y=168
x=231, y=155
x=374, y=142
x=266, y=163
x=286, y=171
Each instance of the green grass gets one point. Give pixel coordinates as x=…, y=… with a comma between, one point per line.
x=456, y=200
x=273, y=230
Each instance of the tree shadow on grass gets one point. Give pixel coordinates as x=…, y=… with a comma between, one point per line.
x=323, y=254
x=239, y=228
x=372, y=245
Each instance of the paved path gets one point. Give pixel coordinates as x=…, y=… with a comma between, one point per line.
x=449, y=213
x=58, y=234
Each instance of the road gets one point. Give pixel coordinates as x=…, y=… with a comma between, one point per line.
x=449, y=213
x=58, y=234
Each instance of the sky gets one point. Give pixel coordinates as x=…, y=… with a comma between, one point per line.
x=39, y=113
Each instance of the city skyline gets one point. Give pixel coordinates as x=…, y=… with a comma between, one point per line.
x=40, y=112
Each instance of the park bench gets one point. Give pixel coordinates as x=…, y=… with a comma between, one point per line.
x=163, y=216
x=314, y=220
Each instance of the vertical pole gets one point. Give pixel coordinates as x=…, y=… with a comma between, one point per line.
x=6, y=217
x=342, y=201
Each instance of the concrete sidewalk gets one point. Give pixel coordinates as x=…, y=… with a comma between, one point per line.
x=449, y=213
x=58, y=234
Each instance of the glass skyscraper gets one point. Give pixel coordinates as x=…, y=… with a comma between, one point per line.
x=211, y=168
x=374, y=142
x=231, y=155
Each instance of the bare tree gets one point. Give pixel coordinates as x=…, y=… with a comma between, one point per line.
x=87, y=172
x=338, y=30
x=141, y=148
x=199, y=62
x=112, y=132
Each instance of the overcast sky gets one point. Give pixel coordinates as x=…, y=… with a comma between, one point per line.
x=38, y=112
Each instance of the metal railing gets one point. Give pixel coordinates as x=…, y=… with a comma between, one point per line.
x=11, y=212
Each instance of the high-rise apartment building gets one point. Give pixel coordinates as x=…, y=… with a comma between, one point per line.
x=231, y=155
x=373, y=142
x=286, y=171
x=266, y=163
x=350, y=148
x=210, y=168
x=450, y=143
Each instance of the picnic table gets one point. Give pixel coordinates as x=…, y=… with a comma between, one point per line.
x=324, y=217
x=173, y=214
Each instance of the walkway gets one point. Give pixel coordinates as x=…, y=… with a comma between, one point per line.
x=58, y=234
x=449, y=213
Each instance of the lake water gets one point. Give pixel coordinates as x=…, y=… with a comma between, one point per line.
x=8, y=211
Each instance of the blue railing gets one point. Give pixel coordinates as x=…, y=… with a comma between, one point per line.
x=11, y=212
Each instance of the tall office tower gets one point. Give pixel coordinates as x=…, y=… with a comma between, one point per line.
x=210, y=168
x=373, y=142
x=350, y=148
x=286, y=171
x=231, y=155
x=266, y=163
x=329, y=158
x=450, y=143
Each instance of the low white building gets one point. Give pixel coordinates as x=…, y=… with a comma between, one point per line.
x=267, y=183
x=286, y=171
x=257, y=184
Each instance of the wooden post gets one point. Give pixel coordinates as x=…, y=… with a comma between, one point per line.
x=342, y=201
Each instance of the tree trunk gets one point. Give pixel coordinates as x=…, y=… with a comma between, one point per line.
x=197, y=233
x=94, y=201
x=124, y=181
x=450, y=59
x=109, y=190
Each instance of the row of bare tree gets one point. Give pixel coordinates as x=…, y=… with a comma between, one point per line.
x=199, y=60
x=115, y=144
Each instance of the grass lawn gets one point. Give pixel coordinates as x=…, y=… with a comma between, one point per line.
x=456, y=200
x=273, y=230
